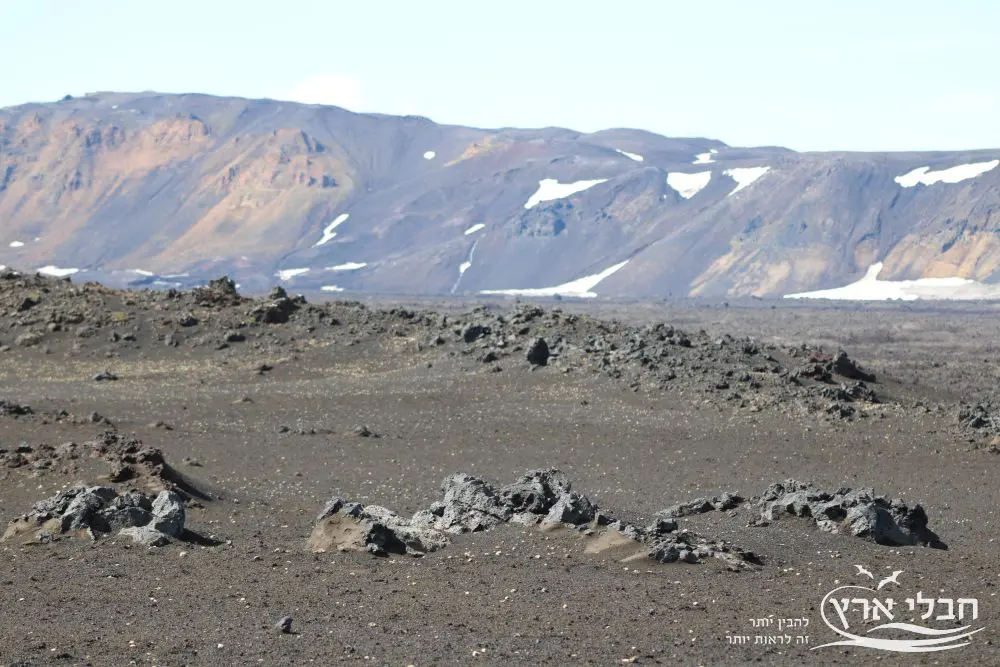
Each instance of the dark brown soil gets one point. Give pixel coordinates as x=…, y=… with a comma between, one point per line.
x=271, y=423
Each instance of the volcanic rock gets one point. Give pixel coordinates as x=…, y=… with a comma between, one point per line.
x=858, y=512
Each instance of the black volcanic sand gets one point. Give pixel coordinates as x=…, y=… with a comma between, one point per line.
x=274, y=445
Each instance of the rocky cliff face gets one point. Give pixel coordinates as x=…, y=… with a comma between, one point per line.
x=174, y=189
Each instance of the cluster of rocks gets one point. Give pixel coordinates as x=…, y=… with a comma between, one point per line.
x=41, y=458
x=469, y=504
x=277, y=308
x=857, y=512
x=733, y=371
x=544, y=498
x=739, y=371
x=95, y=511
x=823, y=367
x=12, y=409
x=136, y=464
x=982, y=416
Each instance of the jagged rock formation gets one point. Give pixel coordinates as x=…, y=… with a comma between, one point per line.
x=83, y=511
x=537, y=498
x=857, y=512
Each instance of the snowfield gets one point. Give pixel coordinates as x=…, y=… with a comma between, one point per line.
x=870, y=288
x=705, y=158
x=348, y=266
x=581, y=287
x=288, y=274
x=688, y=185
x=962, y=172
x=631, y=156
x=550, y=189
x=328, y=232
x=57, y=272
x=745, y=176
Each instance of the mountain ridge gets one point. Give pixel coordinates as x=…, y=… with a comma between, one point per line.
x=168, y=185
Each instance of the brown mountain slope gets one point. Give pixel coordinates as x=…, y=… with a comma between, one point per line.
x=136, y=187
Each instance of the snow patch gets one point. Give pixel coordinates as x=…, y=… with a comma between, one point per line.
x=956, y=174
x=177, y=275
x=631, y=156
x=688, y=185
x=581, y=287
x=328, y=232
x=550, y=189
x=348, y=266
x=745, y=176
x=142, y=273
x=430, y=155
x=474, y=228
x=17, y=244
x=465, y=266
x=51, y=270
x=288, y=274
x=705, y=158
x=870, y=288
x=331, y=288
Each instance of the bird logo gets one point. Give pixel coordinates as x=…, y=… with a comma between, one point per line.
x=862, y=570
x=894, y=578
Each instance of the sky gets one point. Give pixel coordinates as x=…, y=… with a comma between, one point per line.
x=808, y=75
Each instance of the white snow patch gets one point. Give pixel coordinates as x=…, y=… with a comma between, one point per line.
x=142, y=273
x=328, y=232
x=177, y=275
x=550, y=189
x=288, y=274
x=705, y=158
x=348, y=266
x=331, y=288
x=2, y=267
x=581, y=287
x=957, y=174
x=474, y=228
x=51, y=270
x=430, y=155
x=17, y=244
x=465, y=266
x=744, y=176
x=870, y=288
x=631, y=156
x=688, y=185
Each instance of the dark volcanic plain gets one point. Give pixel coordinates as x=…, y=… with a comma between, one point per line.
x=635, y=416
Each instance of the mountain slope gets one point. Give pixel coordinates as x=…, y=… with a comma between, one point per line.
x=137, y=187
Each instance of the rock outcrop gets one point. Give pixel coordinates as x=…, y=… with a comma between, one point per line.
x=95, y=511
x=542, y=498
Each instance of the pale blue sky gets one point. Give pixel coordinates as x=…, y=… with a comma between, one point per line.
x=810, y=75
